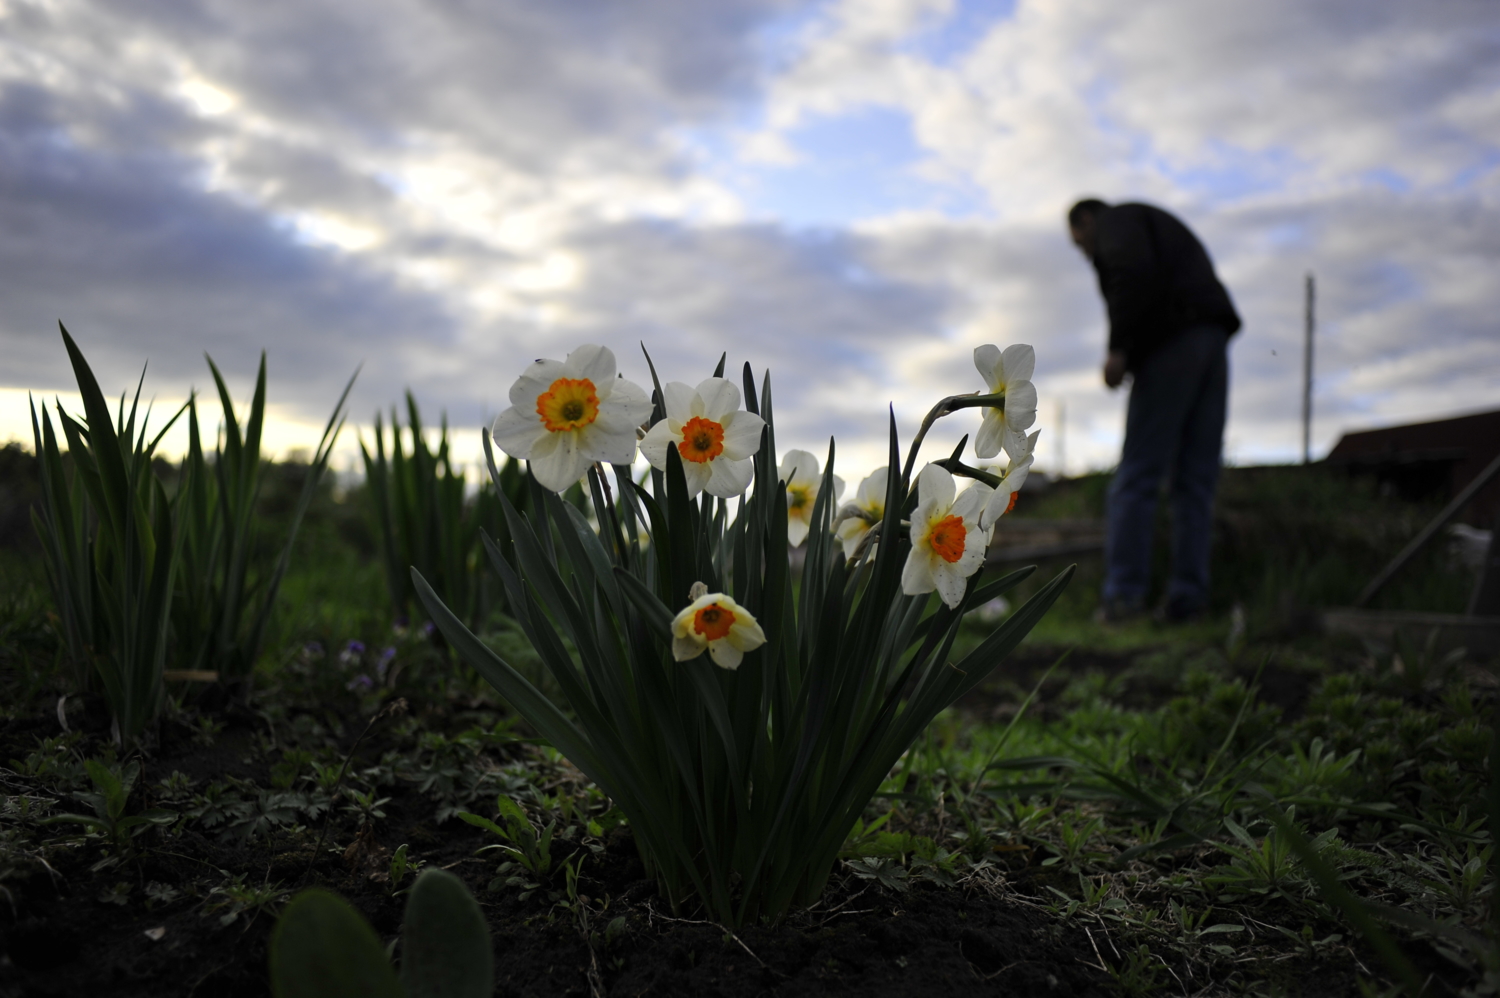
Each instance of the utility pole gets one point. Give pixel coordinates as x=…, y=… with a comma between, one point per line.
x=1307, y=370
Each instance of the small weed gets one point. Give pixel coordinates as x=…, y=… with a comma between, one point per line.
x=233, y=898
x=401, y=866
x=529, y=861
x=109, y=820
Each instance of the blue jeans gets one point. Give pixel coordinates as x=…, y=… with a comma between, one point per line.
x=1173, y=427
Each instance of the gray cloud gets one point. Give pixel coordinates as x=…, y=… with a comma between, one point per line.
x=142, y=264
x=530, y=83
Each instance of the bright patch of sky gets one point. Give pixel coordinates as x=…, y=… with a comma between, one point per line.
x=945, y=38
x=1224, y=174
x=841, y=169
x=858, y=163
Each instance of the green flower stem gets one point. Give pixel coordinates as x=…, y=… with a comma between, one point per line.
x=951, y=404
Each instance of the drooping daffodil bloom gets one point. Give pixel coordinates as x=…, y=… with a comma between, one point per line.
x=803, y=477
x=947, y=541
x=718, y=624
x=857, y=518
x=566, y=414
x=1012, y=477
x=1006, y=372
x=714, y=436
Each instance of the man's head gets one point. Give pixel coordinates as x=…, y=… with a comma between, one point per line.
x=1081, y=224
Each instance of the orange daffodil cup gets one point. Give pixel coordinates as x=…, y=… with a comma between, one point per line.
x=947, y=541
x=715, y=623
x=565, y=415
x=715, y=438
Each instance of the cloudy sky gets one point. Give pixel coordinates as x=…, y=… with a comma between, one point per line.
x=853, y=194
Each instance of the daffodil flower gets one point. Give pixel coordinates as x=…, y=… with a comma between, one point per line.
x=857, y=518
x=1011, y=479
x=1006, y=373
x=567, y=414
x=718, y=624
x=947, y=541
x=714, y=436
x=803, y=478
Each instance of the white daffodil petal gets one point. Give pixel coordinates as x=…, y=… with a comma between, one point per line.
x=745, y=633
x=596, y=363
x=696, y=475
x=1019, y=361
x=1016, y=477
x=916, y=575
x=995, y=508
x=923, y=517
x=1020, y=405
x=687, y=646
x=1015, y=445
x=935, y=485
x=556, y=461
x=948, y=582
x=654, y=445
x=991, y=436
x=971, y=501
x=838, y=488
x=728, y=478
x=536, y=379
x=850, y=533
x=742, y=435
x=796, y=531
x=720, y=397
x=679, y=400
x=986, y=360
x=871, y=493
x=976, y=547
x=609, y=440
x=629, y=398
x=725, y=655
x=799, y=467
x=517, y=432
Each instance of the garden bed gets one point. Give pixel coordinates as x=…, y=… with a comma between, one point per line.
x=998, y=858
x=190, y=909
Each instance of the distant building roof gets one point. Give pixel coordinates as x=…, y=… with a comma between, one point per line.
x=1430, y=459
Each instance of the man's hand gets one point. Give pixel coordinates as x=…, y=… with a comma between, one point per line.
x=1114, y=368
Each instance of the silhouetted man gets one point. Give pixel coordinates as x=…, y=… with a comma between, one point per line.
x=1169, y=325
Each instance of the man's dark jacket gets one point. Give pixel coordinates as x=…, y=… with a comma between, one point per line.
x=1157, y=280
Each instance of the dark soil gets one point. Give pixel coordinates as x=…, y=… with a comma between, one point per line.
x=1146, y=679
x=70, y=932
x=62, y=935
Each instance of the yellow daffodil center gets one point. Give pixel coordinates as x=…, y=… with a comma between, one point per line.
x=713, y=621
x=702, y=440
x=568, y=405
x=947, y=538
x=798, y=499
